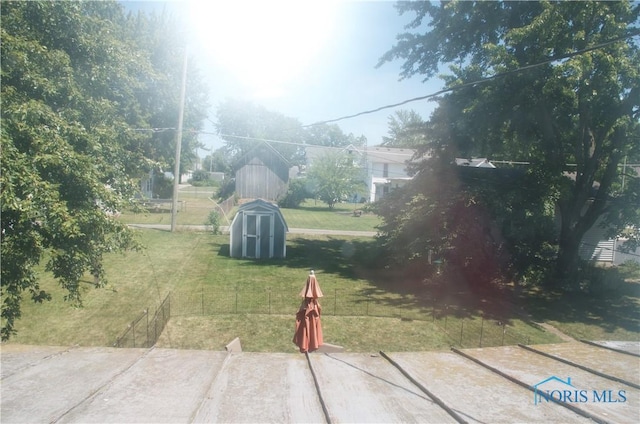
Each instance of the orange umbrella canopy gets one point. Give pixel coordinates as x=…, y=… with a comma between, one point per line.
x=308, y=334
x=312, y=288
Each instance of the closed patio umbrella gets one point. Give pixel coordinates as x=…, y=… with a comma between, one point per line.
x=308, y=335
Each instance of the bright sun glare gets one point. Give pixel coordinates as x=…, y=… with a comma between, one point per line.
x=263, y=43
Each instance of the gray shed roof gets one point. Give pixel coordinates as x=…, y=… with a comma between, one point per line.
x=264, y=206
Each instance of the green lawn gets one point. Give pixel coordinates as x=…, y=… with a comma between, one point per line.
x=215, y=298
x=196, y=205
x=261, y=299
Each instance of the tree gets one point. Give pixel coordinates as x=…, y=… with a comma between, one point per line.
x=406, y=129
x=581, y=110
x=331, y=135
x=73, y=85
x=295, y=195
x=218, y=161
x=244, y=125
x=334, y=177
x=158, y=35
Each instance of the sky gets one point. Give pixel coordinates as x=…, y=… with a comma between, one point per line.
x=310, y=60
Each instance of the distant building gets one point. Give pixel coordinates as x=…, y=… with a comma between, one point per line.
x=383, y=168
x=386, y=169
x=475, y=162
x=258, y=231
x=262, y=174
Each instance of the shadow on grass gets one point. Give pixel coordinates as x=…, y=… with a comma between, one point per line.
x=329, y=256
x=610, y=310
x=452, y=294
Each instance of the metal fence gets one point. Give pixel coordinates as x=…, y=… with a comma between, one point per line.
x=144, y=331
x=227, y=205
x=461, y=331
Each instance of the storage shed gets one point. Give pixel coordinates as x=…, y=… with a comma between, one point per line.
x=258, y=231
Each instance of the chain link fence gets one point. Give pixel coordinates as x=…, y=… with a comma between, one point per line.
x=463, y=332
x=144, y=330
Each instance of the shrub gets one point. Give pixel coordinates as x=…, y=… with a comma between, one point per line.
x=227, y=188
x=213, y=220
x=295, y=195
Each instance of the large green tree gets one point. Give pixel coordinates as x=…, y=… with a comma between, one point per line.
x=331, y=135
x=244, y=125
x=406, y=129
x=74, y=84
x=573, y=119
x=159, y=36
x=335, y=176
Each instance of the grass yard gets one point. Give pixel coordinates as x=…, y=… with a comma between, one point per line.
x=215, y=298
x=192, y=265
x=197, y=205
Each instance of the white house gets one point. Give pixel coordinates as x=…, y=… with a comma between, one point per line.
x=383, y=168
x=386, y=169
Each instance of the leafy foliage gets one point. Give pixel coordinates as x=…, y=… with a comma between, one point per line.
x=406, y=129
x=478, y=221
x=581, y=111
x=334, y=177
x=213, y=220
x=73, y=88
x=296, y=194
x=331, y=135
x=244, y=125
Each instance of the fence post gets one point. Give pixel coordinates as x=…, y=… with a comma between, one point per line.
x=236, y=299
x=269, y=300
x=133, y=331
x=155, y=326
x=146, y=311
x=504, y=330
x=335, y=299
x=445, y=318
x=461, y=330
x=367, y=310
x=481, y=327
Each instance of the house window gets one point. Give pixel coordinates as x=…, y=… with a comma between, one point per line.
x=385, y=170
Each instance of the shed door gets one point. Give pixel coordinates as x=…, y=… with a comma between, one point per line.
x=257, y=230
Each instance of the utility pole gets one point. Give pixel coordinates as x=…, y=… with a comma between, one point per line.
x=176, y=168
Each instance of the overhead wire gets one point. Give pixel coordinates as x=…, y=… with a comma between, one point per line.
x=551, y=59
x=482, y=80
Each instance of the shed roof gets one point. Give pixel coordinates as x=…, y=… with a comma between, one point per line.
x=264, y=206
x=263, y=150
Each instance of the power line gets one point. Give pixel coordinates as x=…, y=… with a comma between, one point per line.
x=415, y=99
x=480, y=81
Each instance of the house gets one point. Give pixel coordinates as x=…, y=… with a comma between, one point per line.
x=475, y=162
x=595, y=245
x=262, y=173
x=258, y=231
x=386, y=169
x=383, y=168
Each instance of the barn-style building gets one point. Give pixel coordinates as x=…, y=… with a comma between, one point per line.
x=258, y=231
x=262, y=173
